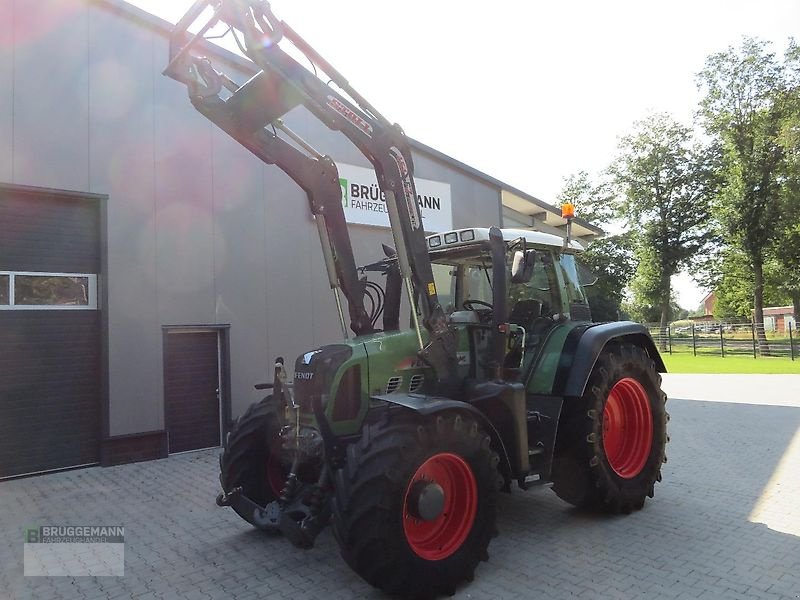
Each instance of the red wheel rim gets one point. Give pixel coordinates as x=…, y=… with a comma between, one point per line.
x=440, y=537
x=276, y=478
x=627, y=428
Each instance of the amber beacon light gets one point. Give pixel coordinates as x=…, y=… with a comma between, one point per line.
x=568, y=213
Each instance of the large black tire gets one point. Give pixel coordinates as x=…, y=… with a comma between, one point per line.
x=377, y=535
x=251, y=455
x=603, y=460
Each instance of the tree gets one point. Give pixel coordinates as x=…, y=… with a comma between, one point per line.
x=786, y=253
x=734, y=285
x=651, y=313
x=609, y=259
x=744, y=107
x=787, y=247
x=667, y=182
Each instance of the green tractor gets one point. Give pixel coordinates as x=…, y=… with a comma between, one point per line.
x=402, y=437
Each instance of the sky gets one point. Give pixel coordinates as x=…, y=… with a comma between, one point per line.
x=528, y=91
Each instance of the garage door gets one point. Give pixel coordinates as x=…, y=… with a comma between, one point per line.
x=50, y=366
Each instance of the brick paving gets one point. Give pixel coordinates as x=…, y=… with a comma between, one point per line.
x=725, y=523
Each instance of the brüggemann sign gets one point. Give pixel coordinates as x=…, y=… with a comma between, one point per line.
x=364, y=203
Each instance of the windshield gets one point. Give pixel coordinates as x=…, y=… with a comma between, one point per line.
x=475, y=281
x=461, y=276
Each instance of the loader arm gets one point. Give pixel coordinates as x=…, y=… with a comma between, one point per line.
x=318, y=177
x=283, y=83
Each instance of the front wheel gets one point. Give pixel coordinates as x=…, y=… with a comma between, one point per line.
x=252, y=458
x=414, y=509
x=611, y=442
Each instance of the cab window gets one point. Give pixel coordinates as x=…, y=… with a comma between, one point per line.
x=543, y=286
x=477, y=283
x=572, y=283
x=444, y=278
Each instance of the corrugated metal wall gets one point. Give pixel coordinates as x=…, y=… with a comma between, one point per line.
x=199, y=231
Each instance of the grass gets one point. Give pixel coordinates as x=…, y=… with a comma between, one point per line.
x=704, y=363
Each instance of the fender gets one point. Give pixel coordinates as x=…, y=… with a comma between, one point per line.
x=431, y=405
x=584, y=345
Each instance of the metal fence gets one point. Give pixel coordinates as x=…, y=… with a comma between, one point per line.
x=724, y=339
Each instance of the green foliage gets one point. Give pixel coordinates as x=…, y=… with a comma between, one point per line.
x=734, y=286
x=648, y=284
x=727, y=210
x=746, y=104
x=611, y=261
x=644, y=312
x=682, y=322
x=667, y=181
x=786, y=258
x=686, y=363
x=786, y=252
x=594, y=202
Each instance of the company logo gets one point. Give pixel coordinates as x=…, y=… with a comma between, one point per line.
x=302, y=375
x=372, y=198
x=345, y=194
x=410, y=363
x=364, y=202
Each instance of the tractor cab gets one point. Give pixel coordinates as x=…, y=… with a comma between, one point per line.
x=538, y=291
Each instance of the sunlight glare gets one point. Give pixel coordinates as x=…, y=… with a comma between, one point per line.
x=777, y=507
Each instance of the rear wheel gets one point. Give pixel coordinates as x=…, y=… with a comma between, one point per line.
x=611, y=442
x=251, y=457
x=414, y=509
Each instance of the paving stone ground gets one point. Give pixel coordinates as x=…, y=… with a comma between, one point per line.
x=725, y=523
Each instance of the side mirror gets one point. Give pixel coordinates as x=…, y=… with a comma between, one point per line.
x=522, y=266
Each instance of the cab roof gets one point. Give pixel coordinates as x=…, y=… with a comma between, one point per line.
x=464, y=237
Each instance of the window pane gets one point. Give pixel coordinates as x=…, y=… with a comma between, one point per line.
x=478, y=284
x=51, y=291
x=4, y=283
x=543, y=286
x=571, y=279
x=444, y=278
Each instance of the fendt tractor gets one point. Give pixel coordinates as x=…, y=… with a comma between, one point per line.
x=399, y=436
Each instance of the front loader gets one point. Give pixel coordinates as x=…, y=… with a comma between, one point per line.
x=401, y=438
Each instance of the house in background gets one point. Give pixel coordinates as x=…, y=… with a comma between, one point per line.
x=779, y=319
x=708, y=304
x=708, y=309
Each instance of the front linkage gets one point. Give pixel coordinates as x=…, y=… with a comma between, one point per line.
x=296, y=470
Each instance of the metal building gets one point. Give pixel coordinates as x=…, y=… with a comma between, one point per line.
x=150, y=268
